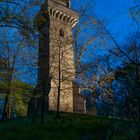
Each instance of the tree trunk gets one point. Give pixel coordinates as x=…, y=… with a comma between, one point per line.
x=10, y=107
x=35, y=109
x=94, y=104
x=43, y=107
x=138, y=121
x=45, y=99
x=4, y=115
x=59, y=81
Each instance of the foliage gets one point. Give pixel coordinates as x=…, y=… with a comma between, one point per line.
x=19, y=97
x=128, y=90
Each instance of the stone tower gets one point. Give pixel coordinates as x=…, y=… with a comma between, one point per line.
x=56, y=57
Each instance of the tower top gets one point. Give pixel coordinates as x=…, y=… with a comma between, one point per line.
x=65, y=3
x=59, y=9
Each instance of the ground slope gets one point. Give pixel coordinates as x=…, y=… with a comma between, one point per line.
x=67, y=127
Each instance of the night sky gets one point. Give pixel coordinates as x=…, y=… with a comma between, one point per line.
x=116, y=14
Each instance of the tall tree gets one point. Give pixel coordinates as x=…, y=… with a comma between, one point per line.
x=15, y=57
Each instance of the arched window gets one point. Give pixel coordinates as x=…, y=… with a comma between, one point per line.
x=68, y=3
x=61, y=32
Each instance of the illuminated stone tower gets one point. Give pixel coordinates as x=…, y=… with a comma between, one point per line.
x=56, y=57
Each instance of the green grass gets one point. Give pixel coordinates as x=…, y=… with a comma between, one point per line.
x=67, y=127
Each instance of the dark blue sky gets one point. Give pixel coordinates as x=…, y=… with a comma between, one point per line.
x=116, y=15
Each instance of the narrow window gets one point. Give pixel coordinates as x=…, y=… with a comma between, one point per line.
x=68, y=3
x=61, y=32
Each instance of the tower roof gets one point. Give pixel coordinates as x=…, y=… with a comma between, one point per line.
x=65, y=3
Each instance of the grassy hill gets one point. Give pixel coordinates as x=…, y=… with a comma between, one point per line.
x=67, y=127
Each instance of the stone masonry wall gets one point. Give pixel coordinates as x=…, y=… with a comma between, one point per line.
x=67, y=65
